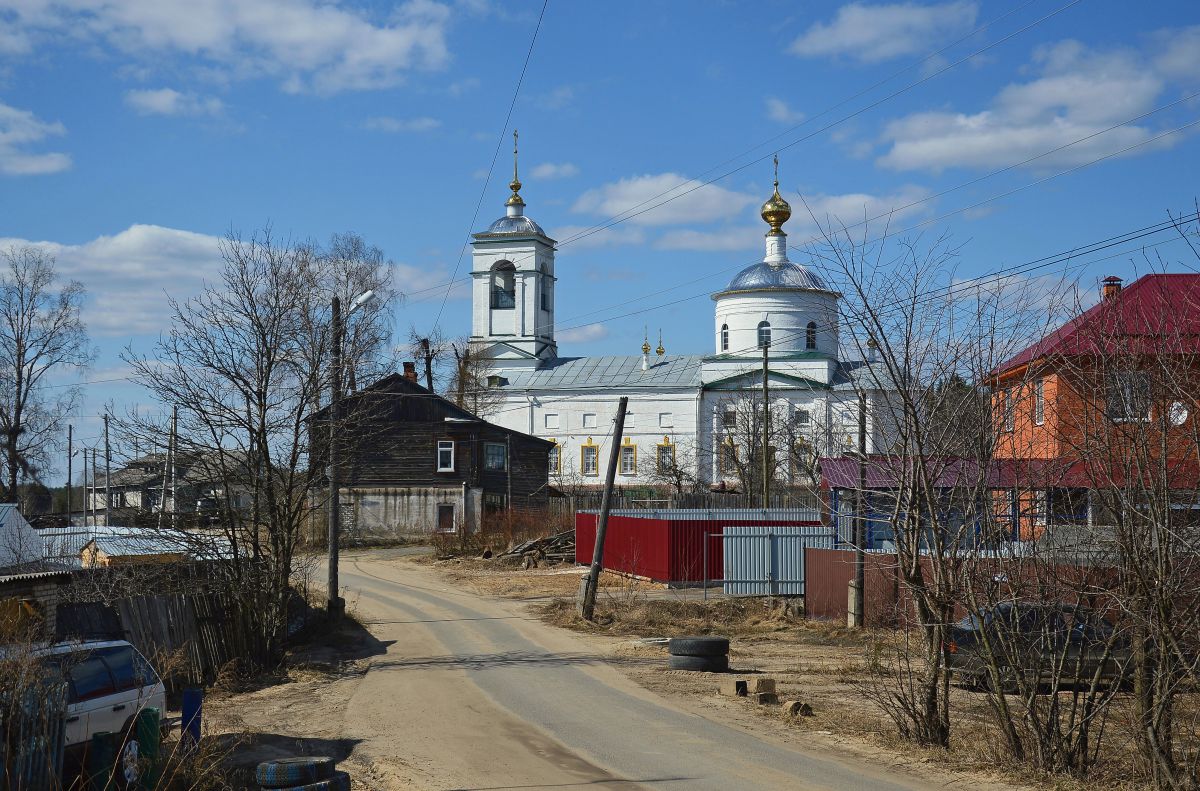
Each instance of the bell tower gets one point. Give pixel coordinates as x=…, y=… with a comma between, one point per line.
x=512, y=289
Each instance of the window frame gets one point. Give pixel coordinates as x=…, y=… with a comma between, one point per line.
x=584, y=419
x=441, y=446
x=440, y=509
x=501, y=272
x=1124, y=380
x=658, y=457
x=666, y=420
x=594, y=452
x=764, y=332
x=1008, y=410
x=488, y=464
x=729, y=417
x=810, y=337
x=554, y=459
x=1039, y=402
x=806, y=420
x=546, y=420
x=724, y=337
x=727, y=459
x=628, y=450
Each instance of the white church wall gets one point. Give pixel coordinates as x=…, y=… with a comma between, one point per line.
x=788, y=313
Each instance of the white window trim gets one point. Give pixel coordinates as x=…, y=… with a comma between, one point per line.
x=585, y=417
x=1039, y=402
x=445, y=444
x=632, y=449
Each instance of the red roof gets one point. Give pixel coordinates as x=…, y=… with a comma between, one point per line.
x=1155, y=314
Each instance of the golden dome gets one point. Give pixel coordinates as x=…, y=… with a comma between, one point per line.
x=646, y=343
x=776, y=211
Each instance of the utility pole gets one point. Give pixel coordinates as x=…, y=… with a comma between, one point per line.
x=86, y=494
x=428, y=355
x=587, y=598
x=70, y=455
x=107, y=475
x=336, y=604
x=93, y=495
x=172, y=455
x=508, y=480
x=766, y=433
x=860, y=518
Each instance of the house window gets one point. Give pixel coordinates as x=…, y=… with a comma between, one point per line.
x=803, y=417
x=729, y=418
x=628, y=460
x=666, y=458
x=1009, y=407
x=665, y=420
x=628, y=420
x=1128, y=396
x=555, y=466
x=445, y=518
x=445, y=456
x=493, y=502
x=1039, y=507
x=589, y=459
x=1039, y=402
x=504, y=285
x=810, y=336
x=551, y=420
x=589, y=419
x=764, y=334
x=494, y=456
x=724, y=337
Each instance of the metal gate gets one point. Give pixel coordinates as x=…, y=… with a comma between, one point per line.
x=769, y=560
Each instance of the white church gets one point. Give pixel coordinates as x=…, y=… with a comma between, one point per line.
x=682, y=408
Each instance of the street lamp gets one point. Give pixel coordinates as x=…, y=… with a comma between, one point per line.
x=857, y=615
x=336, y=604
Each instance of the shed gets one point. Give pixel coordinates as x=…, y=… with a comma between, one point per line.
x=124, y=550
x=19, y=543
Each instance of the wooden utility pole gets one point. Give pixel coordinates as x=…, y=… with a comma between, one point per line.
x=428, y=355
x=70, y=455
x=107, y=475
x=508, y=481
x=86, y=496
x=766, y=432
x=174, y=452
x=587, y=597
x=857, y=614
x=93, y=492
x=335, y=605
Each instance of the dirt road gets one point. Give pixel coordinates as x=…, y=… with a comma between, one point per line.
x=475, y=694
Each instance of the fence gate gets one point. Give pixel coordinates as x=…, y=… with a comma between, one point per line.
x=769, y=560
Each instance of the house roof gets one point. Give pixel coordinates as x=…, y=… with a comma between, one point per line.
x=1156, y=314
x=608, y=372
x=128, y=544
x=885, y=472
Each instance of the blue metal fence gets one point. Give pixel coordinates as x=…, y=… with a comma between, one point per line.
x=768, y=560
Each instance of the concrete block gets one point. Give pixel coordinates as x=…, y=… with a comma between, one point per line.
x=734, y=687
x=796, y=708
x=765, y=698
x=762, y=685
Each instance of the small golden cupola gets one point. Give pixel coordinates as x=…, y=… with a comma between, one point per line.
x=515, y=185
x=776, y=211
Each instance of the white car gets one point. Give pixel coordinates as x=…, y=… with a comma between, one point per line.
x=109, y=682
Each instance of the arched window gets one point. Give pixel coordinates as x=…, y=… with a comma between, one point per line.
x=504, y=285
x=724, y=337
x=764, y=334
x=810, y=336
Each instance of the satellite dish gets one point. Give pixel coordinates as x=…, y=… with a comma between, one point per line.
x=1177, y=413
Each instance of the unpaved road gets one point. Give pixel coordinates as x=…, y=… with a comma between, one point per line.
x=475, y=694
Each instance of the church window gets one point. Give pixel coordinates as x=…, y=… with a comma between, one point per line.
x=803, y=417
x=589, y=460
x=810, y=336
x=555, y=459
x=589, y=419
x=764, y=334
x=552, y=420
x=724, y=337
x=665, y=420
x=666, y=458
x=628, y=460
x=728, y=460
x=504, y=285
x=729, y=418
x=545, y=298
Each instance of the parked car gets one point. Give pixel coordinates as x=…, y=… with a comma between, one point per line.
x=108, y=683
x=1059, y=643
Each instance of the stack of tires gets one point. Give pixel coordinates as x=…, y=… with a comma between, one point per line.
x=703, y=654
x=302, y=774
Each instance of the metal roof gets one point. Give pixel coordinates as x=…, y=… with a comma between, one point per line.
x=786, y=276
x=611, y=372
x=514, y=225
x=855, y=374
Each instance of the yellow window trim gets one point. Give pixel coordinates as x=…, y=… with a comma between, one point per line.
x=583, y=449
x=620, y=466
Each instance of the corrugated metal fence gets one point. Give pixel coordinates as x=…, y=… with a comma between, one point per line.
x=32, y=736
x=768, y=560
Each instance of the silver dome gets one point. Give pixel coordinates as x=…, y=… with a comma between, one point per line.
x=787, y=276
x=520, y=224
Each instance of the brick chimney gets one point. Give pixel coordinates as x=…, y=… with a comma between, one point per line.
x=410, y=371
x=1111, y=287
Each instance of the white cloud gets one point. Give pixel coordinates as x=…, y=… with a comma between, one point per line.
x=20, y=129
x=127, y=275
x=584, y=334
x=778, y=110
x=736, y=238
x=167, y=101
x=306, y=44
x=551, y=170
x=616, y=236
x=386, y=124
x=429, y=283
x=874, y=33
x=1178, y=53
x=693, y=201
x=555, y=99
x=1079, y=92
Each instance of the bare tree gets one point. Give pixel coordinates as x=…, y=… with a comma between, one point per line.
x=469, y=387
x=41, y=333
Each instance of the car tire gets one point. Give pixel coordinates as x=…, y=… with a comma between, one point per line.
x=338, y=781
x=698, y=646
x=699, y=664
x=294, y=772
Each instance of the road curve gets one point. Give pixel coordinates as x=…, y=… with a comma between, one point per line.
x=474, y=694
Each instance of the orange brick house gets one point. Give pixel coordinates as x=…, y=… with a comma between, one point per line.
x=1106, y=399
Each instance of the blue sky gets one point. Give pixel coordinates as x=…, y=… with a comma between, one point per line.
x=133, y=134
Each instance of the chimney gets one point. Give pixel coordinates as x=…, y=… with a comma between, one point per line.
x=410, y=371
x=1111, y=287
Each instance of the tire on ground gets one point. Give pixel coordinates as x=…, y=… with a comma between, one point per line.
x=291, y=772
x=338, y=781
x=698, y=646
x=702, y=664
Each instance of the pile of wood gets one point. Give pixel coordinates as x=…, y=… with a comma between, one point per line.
x=558, y=548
